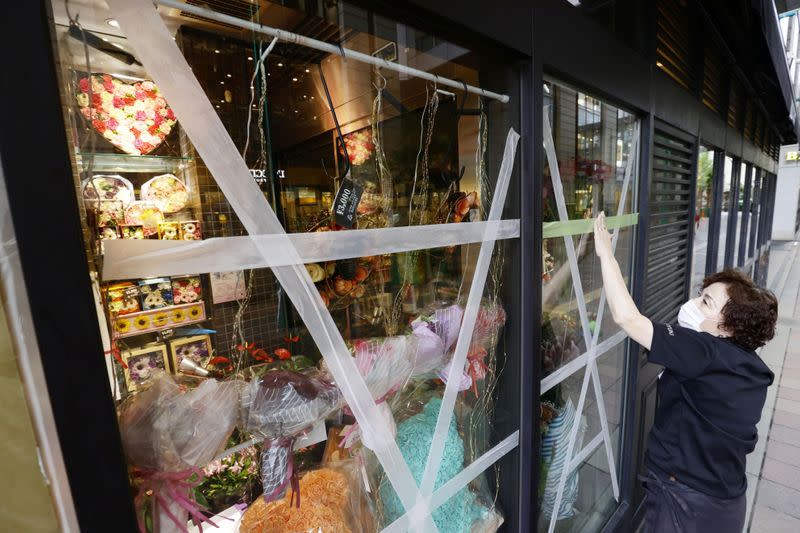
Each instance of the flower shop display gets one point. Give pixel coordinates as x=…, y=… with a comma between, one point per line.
x=186, y=289
x=145, y=214
x=169, y=434
x=123, y=298
x=196, y=349
x=190, y=230
x=331, y=496
x=167, y=192
x=144, y=364
x=132, y=231
x=133, y=117
x=155, y=293
x=463, y=512
x=141, y=322
x=107, y=188
x=169, y=231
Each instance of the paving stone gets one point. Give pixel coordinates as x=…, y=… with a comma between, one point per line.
x=766, y=520
x=785, y=453
x=786, y=435
x=778, y=497
x=785, y=418
x=780, y=472
x=790, y=383
x=789, y=393
x=788, y=405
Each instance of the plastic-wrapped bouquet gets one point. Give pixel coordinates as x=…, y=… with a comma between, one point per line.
x=169, y=434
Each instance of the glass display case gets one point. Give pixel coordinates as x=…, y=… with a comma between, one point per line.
x=300, y=262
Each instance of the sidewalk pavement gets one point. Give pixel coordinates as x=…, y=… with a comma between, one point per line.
x=773, y=469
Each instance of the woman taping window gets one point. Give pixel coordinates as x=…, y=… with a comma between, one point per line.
x=710, y=395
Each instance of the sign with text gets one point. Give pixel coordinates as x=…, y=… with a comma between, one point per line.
x=346, y=202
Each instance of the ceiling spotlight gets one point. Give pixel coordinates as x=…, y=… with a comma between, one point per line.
x=222, y=101
x=296, y=111
x=312, y=97
x=216, y=51
x=294, y=79
x=305, y=96
x=222, y=83
x=217, y=106
x=249, y=58
x=280, y=64
x=228, y=75
x=315, y=117
x=113, y=23
x=307, y=71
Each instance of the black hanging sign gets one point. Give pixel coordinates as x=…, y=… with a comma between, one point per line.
x=346, y=202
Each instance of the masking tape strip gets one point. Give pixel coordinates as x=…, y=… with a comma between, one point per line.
x=162, y=59
x=579, y=227
x=130, y=258
x=598, y=391
x=579, y=362
x=459, y=481
x=468, y=322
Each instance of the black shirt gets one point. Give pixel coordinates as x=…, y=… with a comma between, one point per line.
x=710, y=398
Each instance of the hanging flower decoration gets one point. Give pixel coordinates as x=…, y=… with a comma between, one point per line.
x=359, y=147
x=133, y=117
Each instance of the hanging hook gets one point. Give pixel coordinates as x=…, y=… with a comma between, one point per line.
x=378, y=72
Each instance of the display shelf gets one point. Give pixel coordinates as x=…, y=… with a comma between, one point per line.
x=116, y=162
x=155, y=320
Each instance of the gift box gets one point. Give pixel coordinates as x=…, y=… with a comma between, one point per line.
x=123, y=298
x=186, y=289
x=169, y=231
x=131, y=231
x=190, y=230
x=155, y=293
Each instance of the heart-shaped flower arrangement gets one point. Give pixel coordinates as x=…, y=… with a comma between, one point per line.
x=133, y=117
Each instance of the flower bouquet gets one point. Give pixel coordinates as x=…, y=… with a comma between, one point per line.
x=133, y=117
x=168, y=434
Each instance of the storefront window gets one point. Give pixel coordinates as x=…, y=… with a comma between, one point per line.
x=246, y=380
x=591, y=148
x=726, y=209
x=740, y=214
x=755, y=212
x=702, y=212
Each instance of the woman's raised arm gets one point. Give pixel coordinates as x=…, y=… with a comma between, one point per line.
x=624, y=311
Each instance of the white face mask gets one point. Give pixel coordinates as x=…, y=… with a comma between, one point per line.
x=690, y=316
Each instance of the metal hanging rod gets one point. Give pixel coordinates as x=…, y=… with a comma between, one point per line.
x=327, y=47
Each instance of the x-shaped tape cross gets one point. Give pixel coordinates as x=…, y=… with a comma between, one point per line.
x=166, y=65
x=590, y=338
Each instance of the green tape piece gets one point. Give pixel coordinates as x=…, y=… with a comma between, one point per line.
x=581, y=226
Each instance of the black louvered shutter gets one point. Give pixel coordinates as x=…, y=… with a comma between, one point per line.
x=669, y=235
x=677, y=51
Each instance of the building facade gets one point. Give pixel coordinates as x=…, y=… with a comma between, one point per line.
x=667, y=115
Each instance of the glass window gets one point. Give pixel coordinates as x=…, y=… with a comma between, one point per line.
x=740, y=214
x=702, y=212
x=332, y=144
x=755, y=211
x=591, y=168
x=726, y=209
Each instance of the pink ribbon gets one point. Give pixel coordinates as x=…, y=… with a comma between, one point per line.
x=172, y=487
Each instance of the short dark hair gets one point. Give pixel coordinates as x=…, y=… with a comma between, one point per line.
x=751, y=312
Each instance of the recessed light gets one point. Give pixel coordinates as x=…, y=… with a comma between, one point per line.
x=113, y=23
x=222, y=101
x=269, y=74
x=222, y=83
x=294, y=79
x=280, y=64
x=217, y=106
x=228, y=75
x=305, y=96
x=315, y=117
x=312, y=97
x=307, y=71
x=216, y=51
x=296, y=111
x=249, y=58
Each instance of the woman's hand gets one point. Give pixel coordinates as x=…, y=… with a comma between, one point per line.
x=602, y=238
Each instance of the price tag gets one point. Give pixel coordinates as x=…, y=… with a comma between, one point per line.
x=167, y=333
x=131, y=292
x=344, y=205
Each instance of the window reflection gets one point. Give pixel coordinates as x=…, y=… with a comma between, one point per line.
x=702, y=212
x=726, y=201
